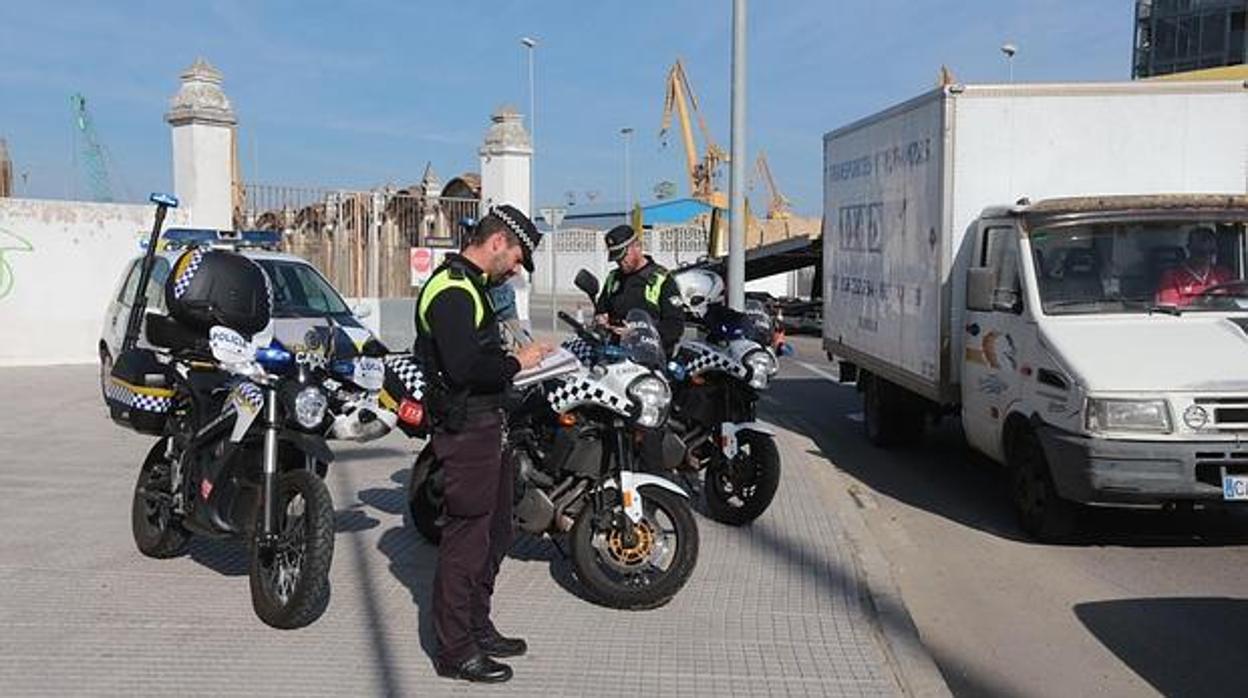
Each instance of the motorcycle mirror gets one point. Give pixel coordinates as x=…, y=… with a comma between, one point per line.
x=587, y=282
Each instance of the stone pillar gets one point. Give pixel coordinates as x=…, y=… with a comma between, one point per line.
x=203, y=124
x=506, y=161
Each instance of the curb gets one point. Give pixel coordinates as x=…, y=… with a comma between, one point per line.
x=913, y=667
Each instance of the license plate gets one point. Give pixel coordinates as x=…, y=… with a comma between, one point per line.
x=1235, y=487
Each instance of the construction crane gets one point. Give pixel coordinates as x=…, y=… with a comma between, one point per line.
x=702, y=169
x=778, y=205
x=92, y=153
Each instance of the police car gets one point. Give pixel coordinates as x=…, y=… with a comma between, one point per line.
x=302, y=297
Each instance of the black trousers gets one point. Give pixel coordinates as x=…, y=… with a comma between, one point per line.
x=476, y=535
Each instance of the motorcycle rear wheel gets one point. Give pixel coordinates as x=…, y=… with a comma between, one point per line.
x=290, y=575
x=619, y=576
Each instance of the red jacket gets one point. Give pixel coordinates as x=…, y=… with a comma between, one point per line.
x=1179, y=285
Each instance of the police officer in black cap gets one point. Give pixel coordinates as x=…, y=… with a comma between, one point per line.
x=467, y=371
x=639, y=282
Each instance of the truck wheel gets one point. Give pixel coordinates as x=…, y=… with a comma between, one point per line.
x=890, y=416
x=1042, y=512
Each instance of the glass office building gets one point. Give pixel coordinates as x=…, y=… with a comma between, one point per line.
x=1173, y=36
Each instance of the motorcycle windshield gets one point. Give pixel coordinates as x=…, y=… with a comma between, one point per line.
x=757, y=321
x=640, y=340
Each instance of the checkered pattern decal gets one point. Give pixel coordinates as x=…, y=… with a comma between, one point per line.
x=578, y=389
x=582, y=350
x=248, y=394
x=405, y=368
x=187, y=266
x=710, y=360
x=137, y=401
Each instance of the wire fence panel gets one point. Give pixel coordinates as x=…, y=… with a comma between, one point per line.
x=345, y=234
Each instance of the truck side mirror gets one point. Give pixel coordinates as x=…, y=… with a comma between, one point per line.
x=980, y=284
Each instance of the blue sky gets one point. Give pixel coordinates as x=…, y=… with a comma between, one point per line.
x=364, y=94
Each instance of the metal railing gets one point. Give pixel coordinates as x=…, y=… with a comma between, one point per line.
x=349, y=234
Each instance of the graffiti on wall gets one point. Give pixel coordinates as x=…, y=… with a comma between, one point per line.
x=10, y=242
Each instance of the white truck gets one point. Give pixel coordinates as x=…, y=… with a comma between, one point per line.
x=1064, y=267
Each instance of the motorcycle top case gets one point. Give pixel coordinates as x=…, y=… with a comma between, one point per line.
x=138, y=392
x=218, y=287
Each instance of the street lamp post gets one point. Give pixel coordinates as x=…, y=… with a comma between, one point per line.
x=627, y=132
x=736, y=182
x=530, y=43
x=1009, y=50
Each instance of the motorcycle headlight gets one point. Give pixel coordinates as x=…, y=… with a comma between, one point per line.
x=1150, y=416
x=652, y=397
x=762, y=365
x=310, y=405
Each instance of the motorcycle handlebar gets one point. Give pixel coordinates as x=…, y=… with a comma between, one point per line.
x=580, y=329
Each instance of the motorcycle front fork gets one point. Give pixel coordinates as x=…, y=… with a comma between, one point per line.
x=269, y=501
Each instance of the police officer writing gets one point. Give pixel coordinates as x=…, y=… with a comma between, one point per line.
x=639, y=283
x=467, y=372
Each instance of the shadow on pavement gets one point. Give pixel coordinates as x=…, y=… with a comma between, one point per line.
x=1181, y=646
x=944, y=477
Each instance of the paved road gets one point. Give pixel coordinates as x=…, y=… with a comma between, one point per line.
x=779, y=608
x=1146, y=603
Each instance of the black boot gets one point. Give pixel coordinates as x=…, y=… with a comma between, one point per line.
x=477, y=668
x=495, y=645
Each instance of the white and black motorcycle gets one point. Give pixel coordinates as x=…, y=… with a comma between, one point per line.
x=241, y=453
x=573, y=435
x=714, y=413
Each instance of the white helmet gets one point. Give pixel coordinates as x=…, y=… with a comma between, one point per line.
x=699, y=288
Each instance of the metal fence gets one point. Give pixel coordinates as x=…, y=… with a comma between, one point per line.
x=349, y=234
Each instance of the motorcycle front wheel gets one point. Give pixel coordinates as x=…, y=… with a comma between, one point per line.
x=156, y=529
x=643, y=570
x=290, y=574
x=740, y=490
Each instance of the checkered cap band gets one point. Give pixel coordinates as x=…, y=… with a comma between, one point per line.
x=409, y=373
x=514, y=226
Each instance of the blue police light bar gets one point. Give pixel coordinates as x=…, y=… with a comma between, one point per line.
x=179, y=238
x=164, y=199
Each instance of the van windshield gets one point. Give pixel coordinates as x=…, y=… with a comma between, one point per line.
x=1141, y=267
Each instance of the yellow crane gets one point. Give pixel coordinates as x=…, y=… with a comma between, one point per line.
x=778, y=205
x=702, y=170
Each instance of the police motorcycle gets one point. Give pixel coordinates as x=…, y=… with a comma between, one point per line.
x=240, y=453
x=573, y=434
x=714, y=402
x=360, y=408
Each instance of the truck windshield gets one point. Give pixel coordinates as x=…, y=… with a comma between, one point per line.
x=1141, y=267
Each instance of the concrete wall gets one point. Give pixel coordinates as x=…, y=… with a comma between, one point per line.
x=60, y=262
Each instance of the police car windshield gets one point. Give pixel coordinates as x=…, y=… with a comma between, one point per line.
x=300, y=291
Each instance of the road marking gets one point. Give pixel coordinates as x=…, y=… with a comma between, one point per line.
x=819, y=372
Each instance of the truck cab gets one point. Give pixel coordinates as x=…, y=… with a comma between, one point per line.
x=1104, y=350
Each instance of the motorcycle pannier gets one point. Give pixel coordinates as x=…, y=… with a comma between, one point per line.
x=138, y=392
x=216, y=287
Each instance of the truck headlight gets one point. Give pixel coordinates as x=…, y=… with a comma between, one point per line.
x=652, y=397
x=1114, y=415
x=310, y=405
x=762, y=365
